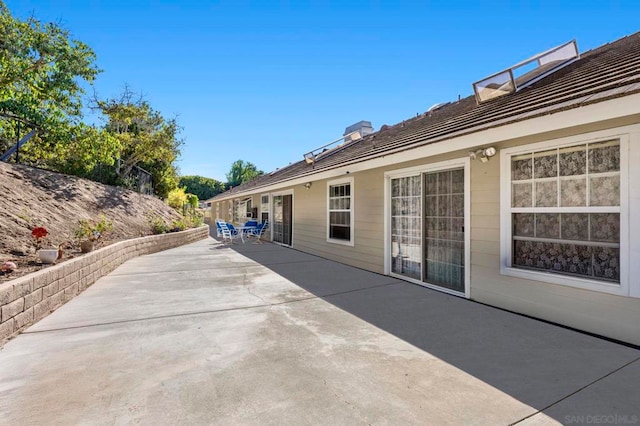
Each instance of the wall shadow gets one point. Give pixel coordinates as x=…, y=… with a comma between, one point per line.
x=535, y=362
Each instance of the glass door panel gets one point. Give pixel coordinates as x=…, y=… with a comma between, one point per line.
x=444, y=229
x=406, y=222
x=282, y=219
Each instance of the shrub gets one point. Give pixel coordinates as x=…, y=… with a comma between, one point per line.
x=178, y=225
x=157, y=225
x=177, y=198
x=192, y=200
x=196, y=220
x=92, y=230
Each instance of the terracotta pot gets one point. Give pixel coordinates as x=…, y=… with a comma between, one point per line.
x=48, y=255
x=86, y=246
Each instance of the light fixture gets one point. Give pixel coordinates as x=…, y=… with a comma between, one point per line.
x=483, y=153
x=307, y=185
x=489, y=152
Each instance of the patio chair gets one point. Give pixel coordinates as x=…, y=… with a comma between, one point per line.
x=229, y=233
x=218, y=228
x=258, y=232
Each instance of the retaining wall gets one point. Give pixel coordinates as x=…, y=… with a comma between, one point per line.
x=30, y=298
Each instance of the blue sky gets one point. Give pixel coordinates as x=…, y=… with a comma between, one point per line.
x=266, y=81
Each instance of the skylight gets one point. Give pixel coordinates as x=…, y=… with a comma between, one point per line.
x=310, y=157
x=526, y=72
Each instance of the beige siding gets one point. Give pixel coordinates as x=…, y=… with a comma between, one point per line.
x=310, y=233
x=601, y=313
x=610, y=315
x=310, y=220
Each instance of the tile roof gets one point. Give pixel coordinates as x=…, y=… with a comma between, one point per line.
x=609, y=71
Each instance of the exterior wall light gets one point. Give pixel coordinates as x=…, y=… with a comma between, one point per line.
x=483, y=153
x=307, y=185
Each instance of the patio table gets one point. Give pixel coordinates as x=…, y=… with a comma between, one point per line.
x=243, y=230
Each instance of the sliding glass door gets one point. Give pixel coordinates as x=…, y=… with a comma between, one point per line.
x=282, y=218
x=427, y=227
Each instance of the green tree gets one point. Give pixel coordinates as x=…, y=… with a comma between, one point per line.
x=42, y=75
x=201, y=186
x=242, y=172
x=164, y=176
x=145, y=138
x=79, y=151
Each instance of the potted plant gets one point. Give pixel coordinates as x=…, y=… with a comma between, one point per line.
x=46, y=255
x=89, y=232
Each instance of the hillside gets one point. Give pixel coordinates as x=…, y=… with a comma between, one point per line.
x=32, y=197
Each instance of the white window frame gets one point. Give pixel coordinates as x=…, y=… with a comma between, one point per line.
x=262, y=207
x=506, y=267
x=452, y=164
x=336, y=182
x=248, y=202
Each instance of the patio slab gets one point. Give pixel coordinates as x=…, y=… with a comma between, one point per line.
x=261, y=334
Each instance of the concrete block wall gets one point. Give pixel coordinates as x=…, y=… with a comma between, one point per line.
x=30, y=298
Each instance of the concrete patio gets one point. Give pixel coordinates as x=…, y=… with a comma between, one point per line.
x=261, y=334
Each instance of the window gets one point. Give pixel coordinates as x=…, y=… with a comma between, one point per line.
x=564, y=212
x=264, y=207
x=242, y=209
x=340, y=212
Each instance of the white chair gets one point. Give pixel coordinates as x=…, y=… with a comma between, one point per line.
x=258, y=232
x=227, y=234
x=218, y=228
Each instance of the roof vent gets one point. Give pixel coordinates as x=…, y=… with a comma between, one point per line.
x=363, y=127
x=526, y=72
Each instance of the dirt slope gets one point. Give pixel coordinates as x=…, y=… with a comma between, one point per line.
x=32, y=197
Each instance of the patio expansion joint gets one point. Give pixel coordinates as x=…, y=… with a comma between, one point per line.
x=542, y=410
x=212, y=311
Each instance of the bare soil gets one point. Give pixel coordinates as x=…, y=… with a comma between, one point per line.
x=31, y=197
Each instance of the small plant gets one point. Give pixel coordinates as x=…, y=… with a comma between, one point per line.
x=88, y=230
x=197, y=220
x=24, y=216
x=45, y=254
x=157, y=225
x=39, y=235
x=194, y=220
x=178, y=225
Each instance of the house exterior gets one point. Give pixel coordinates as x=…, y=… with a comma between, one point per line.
x=528, y=201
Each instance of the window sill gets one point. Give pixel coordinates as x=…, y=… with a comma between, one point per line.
x=341, y=242
x=565, y=280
